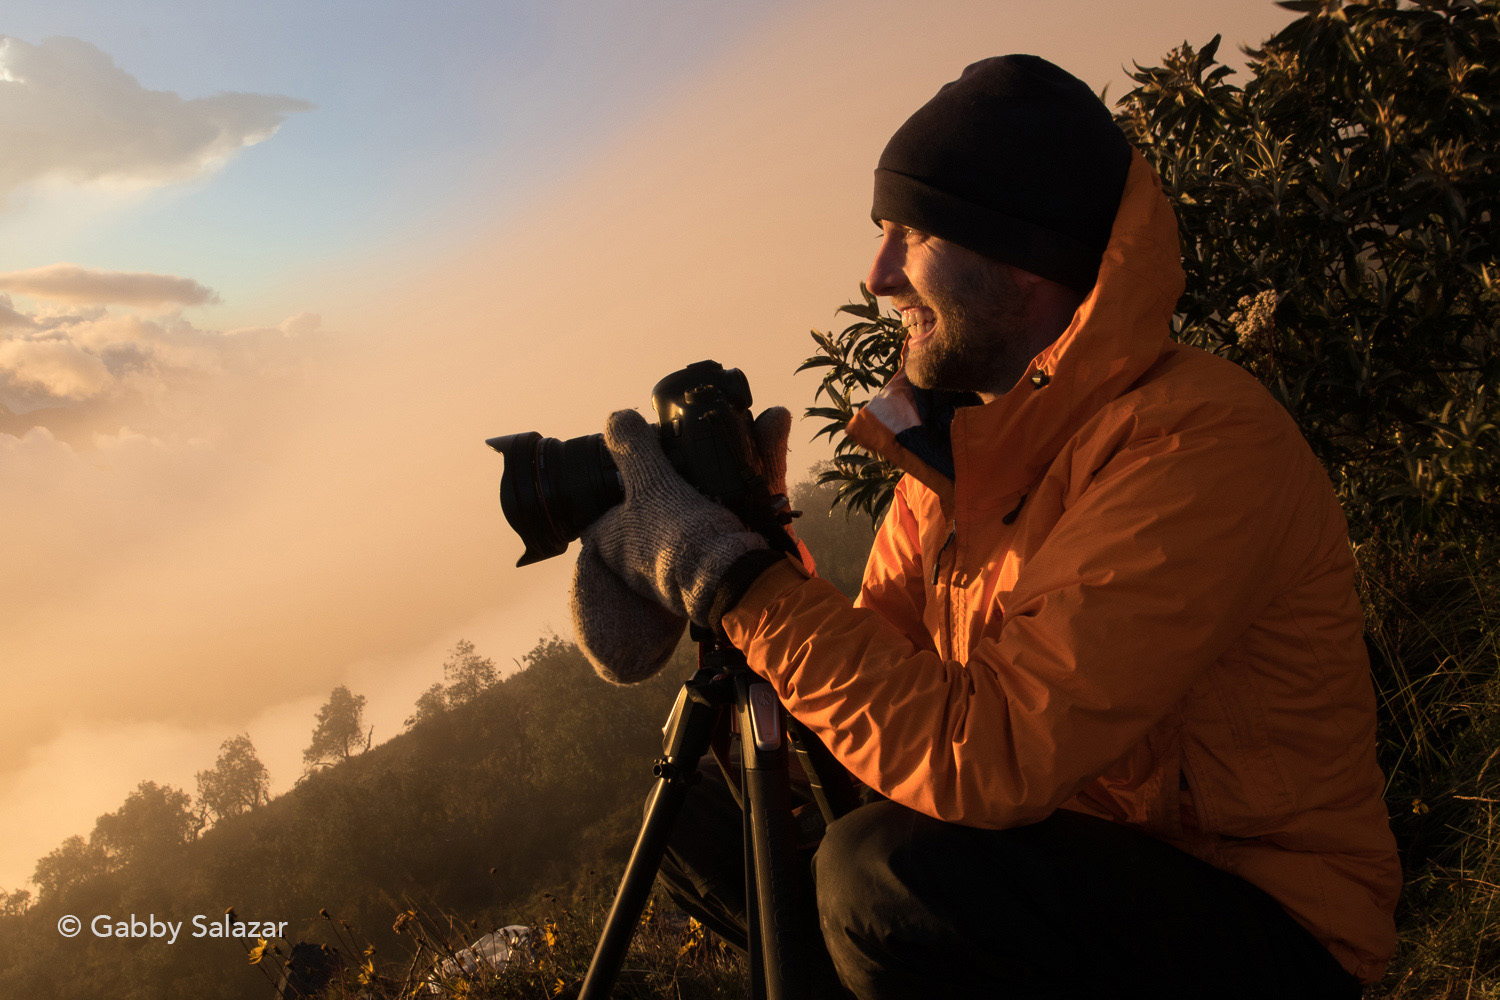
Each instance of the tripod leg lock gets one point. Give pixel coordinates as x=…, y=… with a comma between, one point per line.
x=674, y=773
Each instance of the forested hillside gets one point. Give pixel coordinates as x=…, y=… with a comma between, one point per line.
x=469, y=813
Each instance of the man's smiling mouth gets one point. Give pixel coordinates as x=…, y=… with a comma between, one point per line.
x=918, y=322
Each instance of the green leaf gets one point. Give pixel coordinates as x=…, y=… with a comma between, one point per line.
x=1206, y=55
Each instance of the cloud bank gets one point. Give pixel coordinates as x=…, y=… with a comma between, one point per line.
x=70, y=114
x=74, y=285
x=92, y=358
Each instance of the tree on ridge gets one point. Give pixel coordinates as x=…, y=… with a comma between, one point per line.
x=467, y=675
x=340, y=732
x=237, y=783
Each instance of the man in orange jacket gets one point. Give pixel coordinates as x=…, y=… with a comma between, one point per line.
x=1105, y=672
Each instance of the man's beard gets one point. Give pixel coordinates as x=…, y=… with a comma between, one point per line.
x=982, y=337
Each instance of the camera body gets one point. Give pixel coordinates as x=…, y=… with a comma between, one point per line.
x=552, y=490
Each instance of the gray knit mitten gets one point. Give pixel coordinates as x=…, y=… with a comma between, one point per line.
x=627, y=637
x=665, y=542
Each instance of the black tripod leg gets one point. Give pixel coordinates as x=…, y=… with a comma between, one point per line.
x=689, y=730
x=796, y=966
x=755, y=949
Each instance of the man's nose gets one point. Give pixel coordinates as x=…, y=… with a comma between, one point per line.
x=887, y=271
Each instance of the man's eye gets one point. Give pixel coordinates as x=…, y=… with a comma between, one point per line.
x=903, y=233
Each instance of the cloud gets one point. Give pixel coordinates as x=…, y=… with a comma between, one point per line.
x=74, y=116
x=303, y=324
x=34, y=373
x=75, y=285
x=55, y=363
x=12, y=320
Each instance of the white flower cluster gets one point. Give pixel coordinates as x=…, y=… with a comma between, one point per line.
x=1254, y=320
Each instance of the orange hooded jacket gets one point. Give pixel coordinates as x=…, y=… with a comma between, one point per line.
x=1134, y=600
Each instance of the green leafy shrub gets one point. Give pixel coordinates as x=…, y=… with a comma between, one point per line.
x=1339, y=233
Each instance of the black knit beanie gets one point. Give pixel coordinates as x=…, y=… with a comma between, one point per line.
x=1017, y=160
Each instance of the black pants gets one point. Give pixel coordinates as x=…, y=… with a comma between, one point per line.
x=1072, y=906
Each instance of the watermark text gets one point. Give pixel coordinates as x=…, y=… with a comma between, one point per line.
x=151, y=926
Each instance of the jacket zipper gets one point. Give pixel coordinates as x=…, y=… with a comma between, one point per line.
x=937, y=563
x=937, y=566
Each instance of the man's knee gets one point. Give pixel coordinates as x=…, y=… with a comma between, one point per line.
x=853, y=863
x=907, y=900
x=866, y=910
x=885, y=862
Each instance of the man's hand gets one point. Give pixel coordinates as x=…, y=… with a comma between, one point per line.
x=654, y=560
x=772, y=428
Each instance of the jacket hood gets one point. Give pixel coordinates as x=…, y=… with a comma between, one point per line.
x=1116, y=335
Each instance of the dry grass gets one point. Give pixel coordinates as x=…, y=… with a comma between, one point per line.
x=670, y=958
x=1434, y=615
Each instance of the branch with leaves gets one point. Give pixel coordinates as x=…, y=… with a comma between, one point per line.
x=859, y=360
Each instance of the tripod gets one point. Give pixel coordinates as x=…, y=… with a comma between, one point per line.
x=782, y=926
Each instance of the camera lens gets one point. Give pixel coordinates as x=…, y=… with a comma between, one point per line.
x=552, y=490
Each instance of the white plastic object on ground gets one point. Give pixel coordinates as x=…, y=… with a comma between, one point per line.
x=492, y=952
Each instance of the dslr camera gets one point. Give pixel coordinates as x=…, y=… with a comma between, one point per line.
x=552, y=490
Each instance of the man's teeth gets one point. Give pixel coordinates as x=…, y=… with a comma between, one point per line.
x=915, y=320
